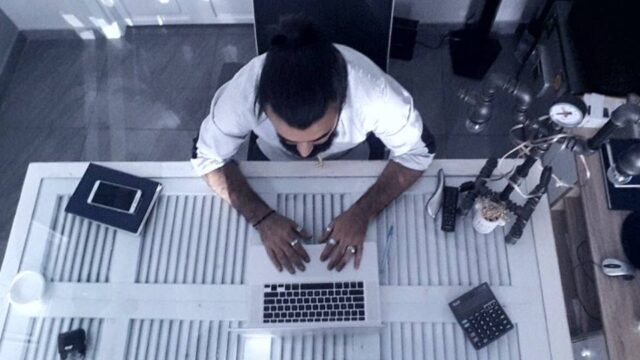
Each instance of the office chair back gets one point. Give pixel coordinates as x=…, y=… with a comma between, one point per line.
x=364, y=25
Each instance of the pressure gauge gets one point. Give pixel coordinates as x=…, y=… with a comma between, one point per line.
x=568, y=111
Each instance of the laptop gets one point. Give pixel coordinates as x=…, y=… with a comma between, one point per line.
x=315, y=298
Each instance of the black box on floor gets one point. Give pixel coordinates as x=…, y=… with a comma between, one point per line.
x=403, y=38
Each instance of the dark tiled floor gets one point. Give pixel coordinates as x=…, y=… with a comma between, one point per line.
x=144, y=96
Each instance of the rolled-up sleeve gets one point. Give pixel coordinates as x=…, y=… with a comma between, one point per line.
x=229, y=123
x=399, y=125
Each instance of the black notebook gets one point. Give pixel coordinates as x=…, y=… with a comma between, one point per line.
x=114, y=198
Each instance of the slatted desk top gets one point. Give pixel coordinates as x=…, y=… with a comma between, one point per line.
x=177, y=291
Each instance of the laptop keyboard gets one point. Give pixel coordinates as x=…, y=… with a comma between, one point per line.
x=314, y=302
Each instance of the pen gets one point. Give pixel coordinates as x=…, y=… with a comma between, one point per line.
x=385, y=254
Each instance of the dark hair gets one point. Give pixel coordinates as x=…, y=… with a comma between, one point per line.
x=303, y=74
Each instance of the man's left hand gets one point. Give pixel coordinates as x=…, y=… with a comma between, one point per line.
x=344, y=238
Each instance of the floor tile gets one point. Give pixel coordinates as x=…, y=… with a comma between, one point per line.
x=138, y=145
x=475, y=147
x=48, y=87
x=18, y=148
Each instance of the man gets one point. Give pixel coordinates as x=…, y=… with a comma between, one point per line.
x=305, y=99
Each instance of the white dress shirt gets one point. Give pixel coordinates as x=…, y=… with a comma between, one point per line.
x=375, y=103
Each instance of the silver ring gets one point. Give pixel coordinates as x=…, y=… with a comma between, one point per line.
x=351, y=249
x=299, y=229
x=332, y=241
x=329, y=229
x=294, y=242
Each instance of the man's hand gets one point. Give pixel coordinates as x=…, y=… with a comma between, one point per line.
x=282, y=237
x=345, y=235
x=344, y=238
x=277, y=232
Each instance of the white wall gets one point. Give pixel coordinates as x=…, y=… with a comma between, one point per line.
x=433, y=11
x=8, y=35
x=35, y=14
x=50, y=14
x=47, y=14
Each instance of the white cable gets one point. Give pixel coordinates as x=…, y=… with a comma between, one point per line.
x=560, y=183
x=524, y=148
x=500, y=161
x=514, y=139
x=517, y=188
x=586, y=168
x=550, y=139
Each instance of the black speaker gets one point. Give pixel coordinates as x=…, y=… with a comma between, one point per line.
x=403, y=38
x=472, y=49
x=472, y=55
x=631, y=238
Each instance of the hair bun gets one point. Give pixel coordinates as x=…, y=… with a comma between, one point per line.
x=295, y=32
x=279, y=40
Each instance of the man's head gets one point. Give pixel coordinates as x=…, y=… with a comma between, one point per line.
x=302, y=87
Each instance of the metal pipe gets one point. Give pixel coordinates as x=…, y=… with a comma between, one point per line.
x=625, y=114
x=481, y=109
x=522, y=171
x=479, y=186
x=525, y=212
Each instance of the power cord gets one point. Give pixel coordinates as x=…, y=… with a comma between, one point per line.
x=582, y=304
x=438, y=44
x=580, y=265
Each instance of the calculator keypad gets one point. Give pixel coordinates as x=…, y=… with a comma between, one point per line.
x=486, y=325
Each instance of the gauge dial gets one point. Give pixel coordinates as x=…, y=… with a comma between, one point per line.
x=567, y=112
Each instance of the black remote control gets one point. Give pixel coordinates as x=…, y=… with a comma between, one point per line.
x=449, y=208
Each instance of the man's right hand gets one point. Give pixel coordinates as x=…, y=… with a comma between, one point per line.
x=279, y=235
x=277, y=232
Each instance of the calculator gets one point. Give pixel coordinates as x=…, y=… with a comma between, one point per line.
x=482, y=318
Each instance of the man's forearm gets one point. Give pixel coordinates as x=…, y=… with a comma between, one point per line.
x=393, y=181
x=231, y=185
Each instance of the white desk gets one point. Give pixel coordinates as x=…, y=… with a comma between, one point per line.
x=175, y=291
